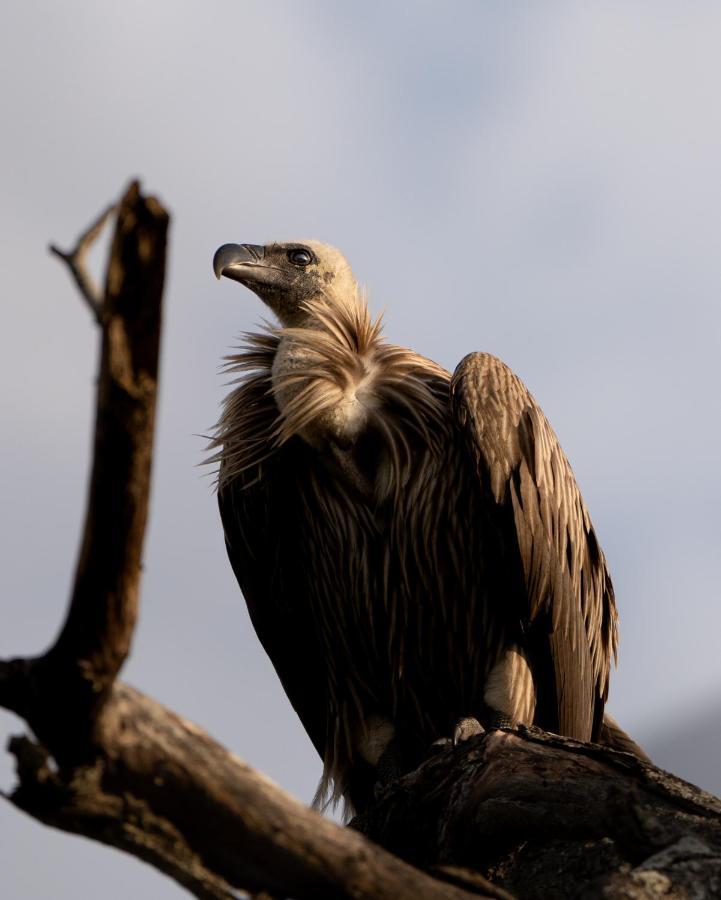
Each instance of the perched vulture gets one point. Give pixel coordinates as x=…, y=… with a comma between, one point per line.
x=412, y=545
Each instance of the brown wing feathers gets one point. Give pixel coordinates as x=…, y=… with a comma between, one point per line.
x=570, y=598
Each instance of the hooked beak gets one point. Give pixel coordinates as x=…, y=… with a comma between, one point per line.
x=237, y=261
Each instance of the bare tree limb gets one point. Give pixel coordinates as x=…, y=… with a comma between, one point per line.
x=16, y=685
x=81, y=805
x=524, y=814
x=162, y=789
x=522, y=807
x=76, y=260
x=95, y=638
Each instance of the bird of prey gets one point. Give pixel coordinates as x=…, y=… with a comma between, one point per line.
x=412, y=545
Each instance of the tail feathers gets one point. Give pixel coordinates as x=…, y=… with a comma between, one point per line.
x=331, y=793
x=613, y=736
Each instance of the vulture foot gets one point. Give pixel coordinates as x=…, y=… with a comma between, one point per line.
x=466, y=728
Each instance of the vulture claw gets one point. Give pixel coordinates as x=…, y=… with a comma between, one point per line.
x=466, y=728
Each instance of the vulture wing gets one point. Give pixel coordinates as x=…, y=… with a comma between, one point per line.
x=260, y=522
x=569, y=616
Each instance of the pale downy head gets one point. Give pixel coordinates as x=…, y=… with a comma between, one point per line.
x=332, y=375
x=289, y=276
x=324, y=357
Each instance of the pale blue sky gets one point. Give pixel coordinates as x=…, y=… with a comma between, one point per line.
x=535, y=180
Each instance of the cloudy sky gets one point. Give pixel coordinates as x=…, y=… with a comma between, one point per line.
x=536, y=180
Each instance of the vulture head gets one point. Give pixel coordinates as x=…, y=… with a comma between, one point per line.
x=288, y=277
x=324, y=354
x=332, y=376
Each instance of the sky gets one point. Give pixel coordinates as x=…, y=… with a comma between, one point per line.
x=539, y=181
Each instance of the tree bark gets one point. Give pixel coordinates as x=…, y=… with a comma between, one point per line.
x=545, y=816
x=521, y=814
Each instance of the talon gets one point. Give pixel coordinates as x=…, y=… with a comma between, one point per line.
x=466, y=728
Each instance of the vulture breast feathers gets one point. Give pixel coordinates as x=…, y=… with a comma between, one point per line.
x=412, y=546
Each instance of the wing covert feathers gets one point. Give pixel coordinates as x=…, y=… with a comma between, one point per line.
x=522, y=467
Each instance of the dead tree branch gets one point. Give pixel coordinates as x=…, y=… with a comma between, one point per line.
x=527, y=814
x=76, y=260
x=161, y=788
x=95, y=638
x=546, y=816
x=127, y=771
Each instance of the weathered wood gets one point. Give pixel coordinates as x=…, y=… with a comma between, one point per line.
x=161, y=788
x=95, y=638
x=522, y=808
x=76, y=261
x=78, y=802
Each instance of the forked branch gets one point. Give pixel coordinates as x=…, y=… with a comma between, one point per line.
x=127, y=771
x=76, y=260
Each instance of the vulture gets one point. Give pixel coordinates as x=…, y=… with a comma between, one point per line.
x=412, y=545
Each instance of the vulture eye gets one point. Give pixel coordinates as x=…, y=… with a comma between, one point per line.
x=300, y=257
